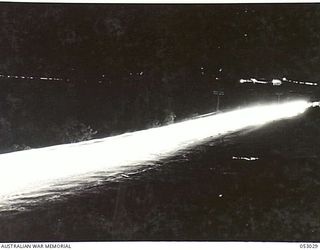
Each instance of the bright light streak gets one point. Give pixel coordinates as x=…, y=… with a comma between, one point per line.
x=35, y=169
x=245, y=158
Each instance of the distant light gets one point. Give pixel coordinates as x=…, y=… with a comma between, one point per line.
x=253, y=80
x=284, y=79
x=311, y=83
x=301, y=82
x=316, y=104
x=220, y=195
x=276, y=82
x=246, y=158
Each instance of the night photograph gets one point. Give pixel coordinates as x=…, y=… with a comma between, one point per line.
x=159, y=122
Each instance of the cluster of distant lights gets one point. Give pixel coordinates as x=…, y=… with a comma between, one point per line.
x=140, y=73
x=202, y=70
x=277, y=82
x=245, y=158
x=300, y=82
x=31, y=77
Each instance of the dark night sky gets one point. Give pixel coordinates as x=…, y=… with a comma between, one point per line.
x=73, y=39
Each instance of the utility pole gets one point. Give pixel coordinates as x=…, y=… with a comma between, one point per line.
x=218, y=94
x=279, y=94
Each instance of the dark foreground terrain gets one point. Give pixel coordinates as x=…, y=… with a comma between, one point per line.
x=202, y=195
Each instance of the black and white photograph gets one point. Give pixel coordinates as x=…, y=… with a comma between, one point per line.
x=159, y=122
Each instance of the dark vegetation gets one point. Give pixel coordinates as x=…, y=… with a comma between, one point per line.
x=36, y=114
